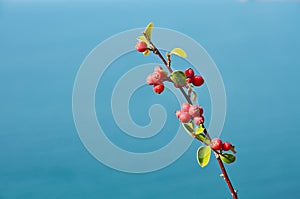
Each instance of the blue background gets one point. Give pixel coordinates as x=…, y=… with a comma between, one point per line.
x=255, y=44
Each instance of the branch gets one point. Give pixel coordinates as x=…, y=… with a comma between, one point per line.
x=226, y=178
x=224, y=172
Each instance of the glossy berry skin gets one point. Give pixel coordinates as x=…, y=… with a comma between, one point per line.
x=184, y=117
x=216, y=144
x=189, y=72
x=198, y=80
x=141, y=46
x=185, y=107
x=158, y=88
x=200, y=110
x=201, y=119
x=226, y=146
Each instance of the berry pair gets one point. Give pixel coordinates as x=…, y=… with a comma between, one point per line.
x=157, y=78
x=216, y=144
x=196, y=80
x=189, y=112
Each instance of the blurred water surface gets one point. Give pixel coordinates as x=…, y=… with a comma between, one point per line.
x=255, y=44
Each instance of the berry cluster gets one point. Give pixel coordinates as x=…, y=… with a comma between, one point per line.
x=216, y=144
x=196, y=80
x=157, y=78
x=141, y=46
x=189, y=112
x=191, y=116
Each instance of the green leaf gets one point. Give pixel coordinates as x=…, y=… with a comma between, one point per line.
x=142, y=38
x=203, y=139
x=201, y=136
x=203, y=155
x=199, y=129
x=189, y=127
x=148, y=30
x=178, y=77
x=146, y=53
x=179, y=52
x=227, y=158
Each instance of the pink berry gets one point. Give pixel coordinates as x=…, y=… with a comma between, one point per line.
x=158, y=88
x=157, y=78
x=194, y=110
x=150, y=79
x=178, y=113
x=185, y=107
x=184, y=117
x=141, y=46
x=198, y=80
x=216, y=144
x=189, y=72
x=163, y=74
x=198, y=120
x=226, y=146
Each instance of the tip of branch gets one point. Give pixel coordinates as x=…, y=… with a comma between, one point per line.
x=232, y=148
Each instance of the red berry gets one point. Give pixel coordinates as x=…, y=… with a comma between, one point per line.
x=202, y=119
x=189, y=72
x=184, y=117
x=141, y=46
x=158, y=88
x=198, y=80
x=226, y=146
x=200, y=110
x=189, y=80
x=216, y=144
